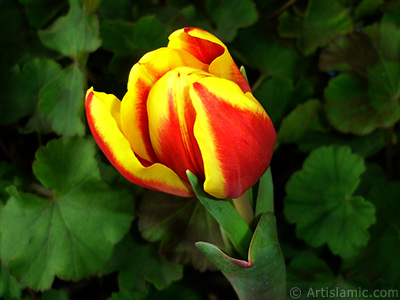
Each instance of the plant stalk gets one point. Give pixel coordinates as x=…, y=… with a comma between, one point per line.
x=244, y=208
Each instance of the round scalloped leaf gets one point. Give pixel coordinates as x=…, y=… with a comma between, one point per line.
x=323, y=20
x=229, y=15
x=76, y=32
x=320, y=201
x=178, y=223
x=64, y=96
x=147, y=265
x=349, y=109
x=71, y=235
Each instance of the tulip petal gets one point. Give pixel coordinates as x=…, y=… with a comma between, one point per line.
x=143, y=75
x=171, y=119
x=210, y=50
x=235, y=135
x=102, y=115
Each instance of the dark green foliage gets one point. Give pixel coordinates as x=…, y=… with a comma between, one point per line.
x=326, y=71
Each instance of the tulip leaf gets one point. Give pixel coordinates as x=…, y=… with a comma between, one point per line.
x=19, y=102
x=146, y=265
x=323, y=20
x=226, y=215
x=299, y=121
x=64, y=234
x=229, y=15
x=178, y=223
x=265, y=195
x=320, y=201
x=64, y=96
x=381, y=258
x=263, y=276
x=76, y=32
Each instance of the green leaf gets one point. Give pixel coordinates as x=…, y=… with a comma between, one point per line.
x=226, y=215
x=9, y=287
x=64, y=235
x=127, y=295
x=268, y=54
x=343, y=54
x=381, y=258
x=322, y=21
x=311, y=277
x=178, y=223
x=229, y=15
x=54, y=295
x=288, y=93
x=320, y=201
x=263, y=276
x=298, y=122
x=374, y=75
x=265, y=195
x=63, y=165
x=392, y=13
x=364, y=145
x=76, y=32
x=305, y=273
x=349, y=109
x=116, y=9
x=367, y=7
x=126, y=37
x=41, y=12
x=21, y=88
x=64, y=96
x=139, y=263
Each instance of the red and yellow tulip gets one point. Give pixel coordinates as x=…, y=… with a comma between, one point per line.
x=187, y=107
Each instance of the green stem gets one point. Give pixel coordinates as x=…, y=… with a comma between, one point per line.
x=244, y=208
x=259, y=81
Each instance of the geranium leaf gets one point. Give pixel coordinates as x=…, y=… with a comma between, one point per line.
x=140, y=263
x=322, y=21
x=22, y=86
x=127, y=37
x=296, y=124
x=289, y=94
x=9, y=286
x=40, y=12
x=229, y=15
x=63, y=165
x=373, y=100
x=349, y=109
x=76, y=32
x=381, y=258
x=54, y=295
x=178, y=223
x=64, y=235
x=64, y=96
x=268, y=54
x=320, y=201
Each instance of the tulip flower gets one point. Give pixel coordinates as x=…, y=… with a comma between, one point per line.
x=187, y=107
